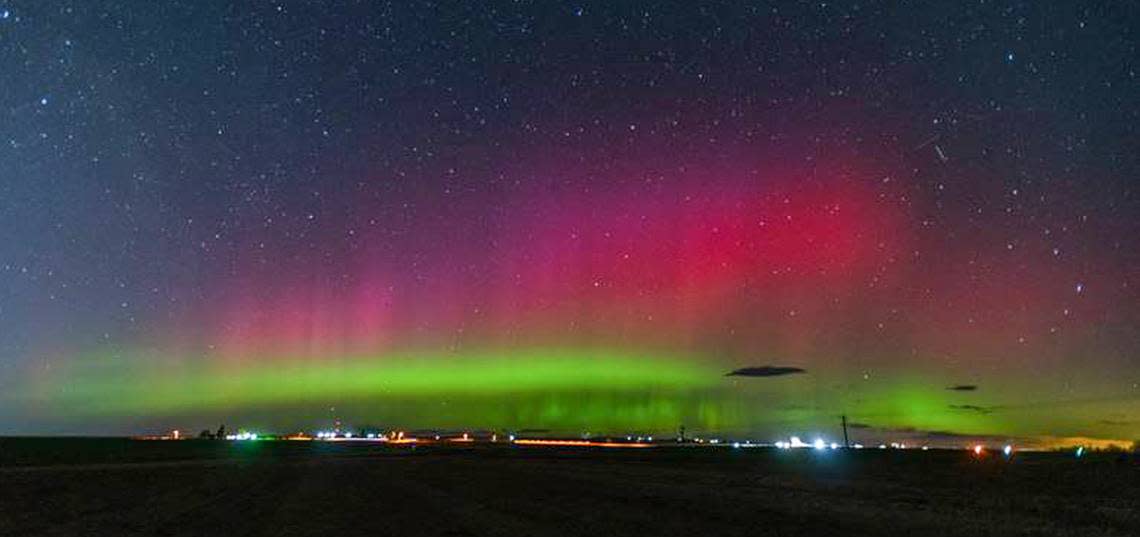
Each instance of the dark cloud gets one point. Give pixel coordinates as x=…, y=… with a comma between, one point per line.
x=936, y=435
x=1115, y=423
x=963, y=388
x=954, y=435
x=766, y=371
x=974, y=408
x=792, y=407
x=942, y=434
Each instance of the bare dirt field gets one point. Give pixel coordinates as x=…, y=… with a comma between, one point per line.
x=121, y=487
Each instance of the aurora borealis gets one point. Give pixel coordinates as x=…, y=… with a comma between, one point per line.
x=574, y=217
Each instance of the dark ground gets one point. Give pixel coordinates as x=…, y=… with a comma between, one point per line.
x=123, y=487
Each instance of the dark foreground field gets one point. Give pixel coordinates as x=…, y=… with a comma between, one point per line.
x=121, y=487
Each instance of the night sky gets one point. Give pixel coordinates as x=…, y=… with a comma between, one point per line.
x=572, y=216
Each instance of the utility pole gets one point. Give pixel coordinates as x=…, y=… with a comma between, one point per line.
x=846, y=443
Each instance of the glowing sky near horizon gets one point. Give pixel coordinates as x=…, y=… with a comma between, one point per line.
x=571, y=219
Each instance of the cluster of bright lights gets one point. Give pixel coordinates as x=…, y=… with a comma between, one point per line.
x=242, y=436
x=580, y=443
x=793, y=442
x=333, y=435
x=395, y=437
x=796, y=442
x=821, y=444
x=979, y=450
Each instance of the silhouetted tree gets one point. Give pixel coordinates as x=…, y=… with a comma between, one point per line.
x=221, y=434
x=206, y=434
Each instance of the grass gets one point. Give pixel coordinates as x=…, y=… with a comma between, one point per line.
x=122, y=487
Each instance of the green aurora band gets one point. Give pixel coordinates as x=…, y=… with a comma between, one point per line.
x=561, y=390
x=545, y=387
